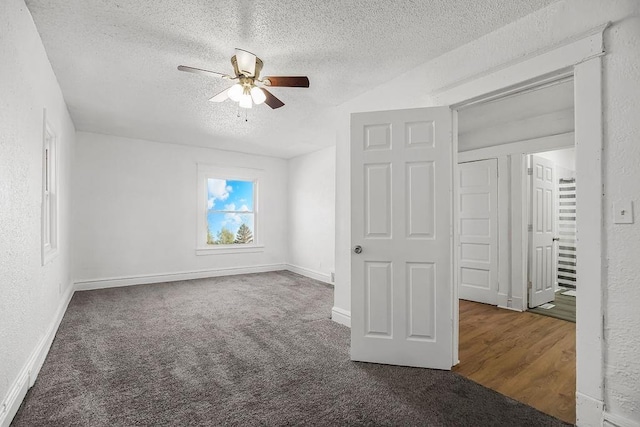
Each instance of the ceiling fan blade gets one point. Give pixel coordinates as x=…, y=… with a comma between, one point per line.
x=222, y=96
x=287, y=81
x=271, y=100
x=203, y=72
x=246, y=62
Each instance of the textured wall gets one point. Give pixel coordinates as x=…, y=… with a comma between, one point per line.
x=311, y=211
x=622, y=242
x=541, y=30
x=30, y=293
x=135, y=208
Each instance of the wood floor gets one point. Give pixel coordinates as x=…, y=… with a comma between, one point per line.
x=528, y=357
x=564, y=308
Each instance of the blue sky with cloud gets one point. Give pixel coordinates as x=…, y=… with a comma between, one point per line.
x=233, y=197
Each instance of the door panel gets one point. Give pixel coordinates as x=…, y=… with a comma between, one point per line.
x=378, y=200
x=401, y=290
x=542, y=245
x=478, y=250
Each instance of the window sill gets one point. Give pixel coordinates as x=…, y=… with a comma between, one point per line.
x=221, y=250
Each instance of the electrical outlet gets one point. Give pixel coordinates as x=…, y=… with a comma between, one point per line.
x=333, y=277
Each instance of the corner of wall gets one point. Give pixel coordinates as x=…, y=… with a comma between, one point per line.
x=27, y=376
x=341, y=316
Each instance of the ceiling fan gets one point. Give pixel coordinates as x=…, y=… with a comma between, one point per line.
x=250, y=88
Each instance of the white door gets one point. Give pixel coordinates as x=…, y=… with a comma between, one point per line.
x=542, y=254
x=401, y=286
x=478, y=228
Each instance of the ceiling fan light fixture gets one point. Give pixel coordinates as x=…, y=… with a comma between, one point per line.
x=247, y=68
x=245, y=101
x=258, y=95
x=235, y=92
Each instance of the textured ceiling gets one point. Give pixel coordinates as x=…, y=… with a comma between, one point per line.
x=116, y=61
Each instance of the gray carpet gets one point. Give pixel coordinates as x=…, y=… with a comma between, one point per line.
x=244, y=350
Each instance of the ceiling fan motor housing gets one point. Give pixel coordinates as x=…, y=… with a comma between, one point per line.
x=240, y=73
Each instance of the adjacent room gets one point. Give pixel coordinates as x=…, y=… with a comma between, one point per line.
x=336, y=213
x=517, y=245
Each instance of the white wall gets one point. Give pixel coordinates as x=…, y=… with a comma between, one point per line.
x=565, y=158
x=534, y=114
x=32, y=294
x=541, y=30
x=312, y=213
x=135, y=210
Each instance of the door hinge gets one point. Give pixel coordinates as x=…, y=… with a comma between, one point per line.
x=529, y=171
x=529, y=284
x=530, y=227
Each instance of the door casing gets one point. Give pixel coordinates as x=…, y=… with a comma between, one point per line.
x=580, y=57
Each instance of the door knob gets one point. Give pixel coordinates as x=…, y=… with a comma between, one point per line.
x=357, y=249
x=555, y=239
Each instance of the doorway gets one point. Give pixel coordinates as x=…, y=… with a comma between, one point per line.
x=512, y=151
x=553, y=292
x=578, y=57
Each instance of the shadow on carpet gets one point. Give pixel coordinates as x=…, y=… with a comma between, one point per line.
x=255, y=349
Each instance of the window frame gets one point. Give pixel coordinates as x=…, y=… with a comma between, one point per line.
x=206, y=172
x=49, y=202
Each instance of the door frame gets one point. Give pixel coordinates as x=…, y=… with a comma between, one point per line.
x=580, y=57
x=512, y=207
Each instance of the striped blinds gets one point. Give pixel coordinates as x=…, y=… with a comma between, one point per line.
x=567, y=233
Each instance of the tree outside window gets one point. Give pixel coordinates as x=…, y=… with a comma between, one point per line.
x=230, y=211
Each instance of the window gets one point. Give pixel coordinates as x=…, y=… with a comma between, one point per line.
x=49, y=195
x=230, y=213
x=228, y=210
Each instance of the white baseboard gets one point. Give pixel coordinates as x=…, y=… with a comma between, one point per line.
x=341, y=316
x=619, y=421
x=503, y=300
x=312, y=274
x=509, y=308
x=517, y=303
x=27, y=376
x=144, y=279
x=589, y=411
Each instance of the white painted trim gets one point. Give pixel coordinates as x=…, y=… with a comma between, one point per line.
x=143, y=279
x=503, y=300
x=27, y=376
x=229, y=249
x=551, y=63
x=618, y=421
x=454, y=203
x=589, y=230
x=509, y=308
x=519, y=233
x=504, y=232
x=342, y=316
x=536, y=145
x=589, y=412
x=312, y=274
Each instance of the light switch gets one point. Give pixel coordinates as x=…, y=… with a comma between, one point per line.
x=623, y=212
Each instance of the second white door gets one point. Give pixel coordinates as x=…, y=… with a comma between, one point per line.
x=478, y=244
x=542, y=253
